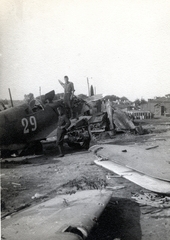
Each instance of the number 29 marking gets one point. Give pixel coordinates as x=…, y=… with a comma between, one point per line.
x=25, y=123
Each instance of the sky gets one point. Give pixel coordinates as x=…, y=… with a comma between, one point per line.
x=122, y=46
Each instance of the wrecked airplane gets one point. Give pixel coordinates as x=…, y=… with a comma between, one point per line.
x=25, y=125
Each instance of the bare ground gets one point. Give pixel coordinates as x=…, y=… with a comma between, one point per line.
x=32, y=180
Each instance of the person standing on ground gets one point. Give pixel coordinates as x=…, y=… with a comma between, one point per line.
x=68, y=93
x=63, y=124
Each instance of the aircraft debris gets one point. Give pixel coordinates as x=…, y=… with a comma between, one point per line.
x=16, y=184
x=152, y=147
x=110, y=119
x=140, y=130
x=122, y=122
x=2, y=106
x=124, y=150
x=77, y=135
x=82, y=183
x=24, y=126
x=156, y=139
x=115, y=187
x=137, y=159
x=65, y=202
x=152, y=199
x=142, y=180
x=42, y=218
x=37, y=195
x=108, y=176
x=99, y=122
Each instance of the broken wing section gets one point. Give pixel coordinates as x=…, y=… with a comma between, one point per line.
x=65, y=217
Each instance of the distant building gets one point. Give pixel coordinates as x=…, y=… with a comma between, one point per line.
x=158, y=106
x=136, y=113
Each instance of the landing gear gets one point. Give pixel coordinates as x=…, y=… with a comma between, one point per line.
x=79, y=138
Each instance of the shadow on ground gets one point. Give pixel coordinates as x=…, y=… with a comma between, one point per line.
x=50, y=157
x=120, y=220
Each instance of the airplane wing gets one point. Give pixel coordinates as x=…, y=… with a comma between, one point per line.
x=135, y=163
x=65, y=217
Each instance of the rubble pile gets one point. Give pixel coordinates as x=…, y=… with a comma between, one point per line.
x=82, y=183
x=152, y=199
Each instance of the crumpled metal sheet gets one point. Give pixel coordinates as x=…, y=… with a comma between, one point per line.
x=121, y=121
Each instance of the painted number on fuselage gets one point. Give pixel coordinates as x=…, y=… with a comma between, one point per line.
x=26, y=123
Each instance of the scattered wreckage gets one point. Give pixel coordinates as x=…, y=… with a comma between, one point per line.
x=23, y=127
x=77, y=136
x=87, y=128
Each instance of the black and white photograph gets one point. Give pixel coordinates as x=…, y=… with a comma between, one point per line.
x=85, y=119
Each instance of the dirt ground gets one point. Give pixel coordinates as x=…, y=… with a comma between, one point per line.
x=27, y=181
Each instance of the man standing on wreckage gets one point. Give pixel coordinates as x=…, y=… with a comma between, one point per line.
x=68, y=94
x=63, y=124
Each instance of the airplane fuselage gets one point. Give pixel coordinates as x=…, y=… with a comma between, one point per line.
x=21, y=125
